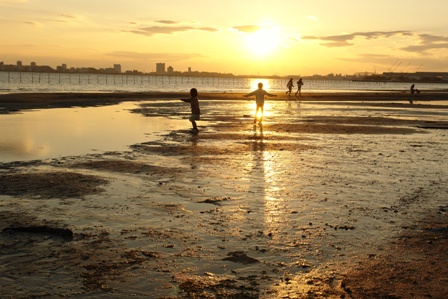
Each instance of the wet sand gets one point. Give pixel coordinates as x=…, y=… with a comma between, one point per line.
x=335, y=196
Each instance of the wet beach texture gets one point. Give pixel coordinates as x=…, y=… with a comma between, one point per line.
x=334, y=196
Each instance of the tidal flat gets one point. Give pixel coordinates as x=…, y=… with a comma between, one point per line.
x=343, y=198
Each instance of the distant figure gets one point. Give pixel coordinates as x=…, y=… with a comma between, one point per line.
x=299, y=87
x=413, y=90
x=259, y=98
x=195, y=111
x=289, y=85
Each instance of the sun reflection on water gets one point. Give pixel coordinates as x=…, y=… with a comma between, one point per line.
x=272, y=213
x=266, y=84
x=266, y=177
x=252, y=106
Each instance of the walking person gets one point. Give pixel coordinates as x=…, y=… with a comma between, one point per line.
x=299, y=87
x=289, y=85
x=195, y=111
x=259, y=99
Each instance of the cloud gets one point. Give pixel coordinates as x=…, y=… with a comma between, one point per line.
x=67, y=16
x=347, y=39
x=420, y=43
x=168, y=22
x=247, y=28
x=370, y=58
x=31, y=23
x=428, y=42
x=428, y=38
x=153, y=30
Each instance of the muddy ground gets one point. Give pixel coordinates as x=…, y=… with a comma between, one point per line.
x=319, y=202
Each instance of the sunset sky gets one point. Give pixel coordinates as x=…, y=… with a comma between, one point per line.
x=280, y=37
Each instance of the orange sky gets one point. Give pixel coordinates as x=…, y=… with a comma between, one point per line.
x=239, y=37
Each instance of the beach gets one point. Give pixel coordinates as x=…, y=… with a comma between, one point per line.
x=335, y=195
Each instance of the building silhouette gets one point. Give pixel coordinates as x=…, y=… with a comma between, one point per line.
x=33, y=67
x=160, y=68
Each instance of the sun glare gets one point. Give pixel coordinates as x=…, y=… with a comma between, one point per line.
x=264, y=41
x=254, y=84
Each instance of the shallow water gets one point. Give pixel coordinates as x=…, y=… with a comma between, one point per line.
x=11, y=82
x=52, y=133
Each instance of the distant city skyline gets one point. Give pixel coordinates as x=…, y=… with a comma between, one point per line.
x=33, y=66
x=238, y=37
x=161, y=69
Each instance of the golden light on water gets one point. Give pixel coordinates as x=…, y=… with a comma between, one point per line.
x=267, y=108
x=266, y=84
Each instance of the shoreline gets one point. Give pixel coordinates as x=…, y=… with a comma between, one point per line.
x=14, y=102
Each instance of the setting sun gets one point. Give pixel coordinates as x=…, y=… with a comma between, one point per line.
x=264, y=41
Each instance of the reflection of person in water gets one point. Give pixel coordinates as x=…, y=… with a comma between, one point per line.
x=289, y=85
x=195, y=111
x=299, y=87
x=259, y=98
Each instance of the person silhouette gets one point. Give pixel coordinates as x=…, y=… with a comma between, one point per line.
x=299, y=87
x=195, y=111
x=259, y=98
x=412, y=92
x=289, y=85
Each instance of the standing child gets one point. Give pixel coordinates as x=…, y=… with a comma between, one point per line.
x=195, y=111
x=259, y=98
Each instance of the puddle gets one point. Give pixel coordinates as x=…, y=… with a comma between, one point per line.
x=53, y=133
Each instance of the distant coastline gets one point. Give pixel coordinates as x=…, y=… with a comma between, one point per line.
x=32, y=82
x=394, y=78
x=185, y=74
x=399, y=77
x=401, y=81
